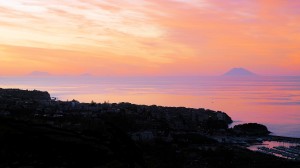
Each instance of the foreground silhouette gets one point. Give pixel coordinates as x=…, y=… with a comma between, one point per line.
x=37, y=131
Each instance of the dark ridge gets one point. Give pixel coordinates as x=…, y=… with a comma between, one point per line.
x=18, y=94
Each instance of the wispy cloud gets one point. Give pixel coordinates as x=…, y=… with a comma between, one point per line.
x=280, y=103
x=173, y=36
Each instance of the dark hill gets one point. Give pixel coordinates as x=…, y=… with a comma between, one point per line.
x=251, y=129
x=26, y=144
x=24, y=94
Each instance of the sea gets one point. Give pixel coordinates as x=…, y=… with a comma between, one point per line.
x=270, y=100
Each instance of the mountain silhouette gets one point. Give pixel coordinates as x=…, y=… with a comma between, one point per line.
x=39, y=73
x=239, y=72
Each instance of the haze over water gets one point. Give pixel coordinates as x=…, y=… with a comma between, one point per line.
x=273, y=101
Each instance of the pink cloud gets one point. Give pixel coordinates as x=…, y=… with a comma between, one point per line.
x=168, y=36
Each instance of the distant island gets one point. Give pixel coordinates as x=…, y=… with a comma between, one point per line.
x=39, y=74
x=39, y=131
x=239, y=72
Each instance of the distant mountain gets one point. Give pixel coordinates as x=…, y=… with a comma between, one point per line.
x=86, y=75
x=239, y=72
x=38, y=73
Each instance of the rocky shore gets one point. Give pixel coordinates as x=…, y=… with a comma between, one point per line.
x=40, y=131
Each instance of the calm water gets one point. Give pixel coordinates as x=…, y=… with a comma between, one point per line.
x=273, y=101
x=273, y=145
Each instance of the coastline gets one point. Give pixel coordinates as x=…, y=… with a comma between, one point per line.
x=162, y=134
x=283, y=139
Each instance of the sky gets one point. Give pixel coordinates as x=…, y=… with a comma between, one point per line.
x=149, y=37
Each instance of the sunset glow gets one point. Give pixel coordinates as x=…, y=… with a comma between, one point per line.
x=149, y=37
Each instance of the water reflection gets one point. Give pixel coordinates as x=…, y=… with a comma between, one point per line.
x=280, y=149
x=272, y=144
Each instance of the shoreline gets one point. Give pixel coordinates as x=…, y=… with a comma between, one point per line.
x=126, y=133
x=283, y=139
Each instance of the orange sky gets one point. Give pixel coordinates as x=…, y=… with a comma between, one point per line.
x=149, y=37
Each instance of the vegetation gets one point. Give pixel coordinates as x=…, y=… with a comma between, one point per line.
x=251, y=129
